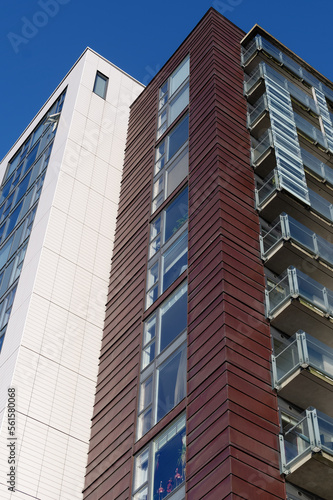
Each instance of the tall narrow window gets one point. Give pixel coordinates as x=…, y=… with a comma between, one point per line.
x=171, y=163
x=167, y=247
x=163, y=374
x=101, y=84
x=173, y=96
x=159, y=470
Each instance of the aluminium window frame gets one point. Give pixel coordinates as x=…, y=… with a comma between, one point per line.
x=151, y=368
x=169, y=164
x=165, y=106
x=105, y=79
x=179, y=492
x=158, y=258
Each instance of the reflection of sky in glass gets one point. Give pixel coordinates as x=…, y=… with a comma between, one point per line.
x=169, y=469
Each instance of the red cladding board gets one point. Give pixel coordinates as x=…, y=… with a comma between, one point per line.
x=228, y=356
x=226, y=272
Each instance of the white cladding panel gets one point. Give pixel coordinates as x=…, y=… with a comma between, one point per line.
x=52, y=344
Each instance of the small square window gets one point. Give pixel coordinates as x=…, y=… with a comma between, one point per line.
x=100, y=85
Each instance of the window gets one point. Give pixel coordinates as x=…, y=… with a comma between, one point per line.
x=168, y=247
x=163, y=362
x=100, y=85
x=21, y=188
x=159, y=470
x=171, y=163
x=173, y=96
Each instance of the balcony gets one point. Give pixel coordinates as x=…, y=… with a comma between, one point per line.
x=253, y=87
x=317, y=169
x=303, y=373
x=289, y=242
x=297, y=301
x=276, y=194
x=263, y=160
x=309, y=132
x=258, y=117
x=307, y=453
x=261, y=45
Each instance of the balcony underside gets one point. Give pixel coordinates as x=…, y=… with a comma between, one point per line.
x=253, y=61
x=260, y=125
x=297, y=314
x=308, y=387
x=256, y=91
x=265, y=163
x=315, y=474
x=281, y=201
x=288, y=253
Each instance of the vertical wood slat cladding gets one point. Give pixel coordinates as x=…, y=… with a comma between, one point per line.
x=231, y=409
x=228, y=336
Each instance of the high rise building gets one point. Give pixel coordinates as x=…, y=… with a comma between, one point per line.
x=58, y=205
x=222, y=269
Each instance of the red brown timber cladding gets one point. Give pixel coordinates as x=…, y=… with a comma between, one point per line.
x=232, y=419
x=231, y=410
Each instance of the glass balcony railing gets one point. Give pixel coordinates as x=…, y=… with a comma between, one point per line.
x=264, y=70
x=260, y=44
x=287, y=228
x=274, y=183
x=261, y=146
x=311, y=434
x=266, y=142
x=254, y=112
x=303, y=351
x=295, y=284
x=303, y=126
x=310, y=131
x=317, y=166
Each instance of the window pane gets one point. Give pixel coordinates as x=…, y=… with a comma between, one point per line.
x=6, y=189
x=170, y=460
x=177, y=172
x=173, y=317
x=176, y=214
x=158, y=201
x=13, y=219
x=100, y=85
x=158, y=186
x=171, y=383
x=148, y=355
x=22, y=188
x=146, y=392
x=141, y=495
x=178, y=137
x=31, y=158
x=179, y=103
x=141, y=469
x=13, y=164
x=150, y=330
x=155, y=246
x=153, y=275
x=180, y=75
x=37, y=134
x=152, y=296
x=145, y=422
x=4, y=252
x=175, y=261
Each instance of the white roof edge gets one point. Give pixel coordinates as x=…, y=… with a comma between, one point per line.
x=59, y=85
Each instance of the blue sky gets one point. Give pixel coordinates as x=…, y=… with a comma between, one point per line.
x=41, y=39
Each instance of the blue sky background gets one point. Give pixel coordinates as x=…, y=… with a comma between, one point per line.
x=138, y=36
